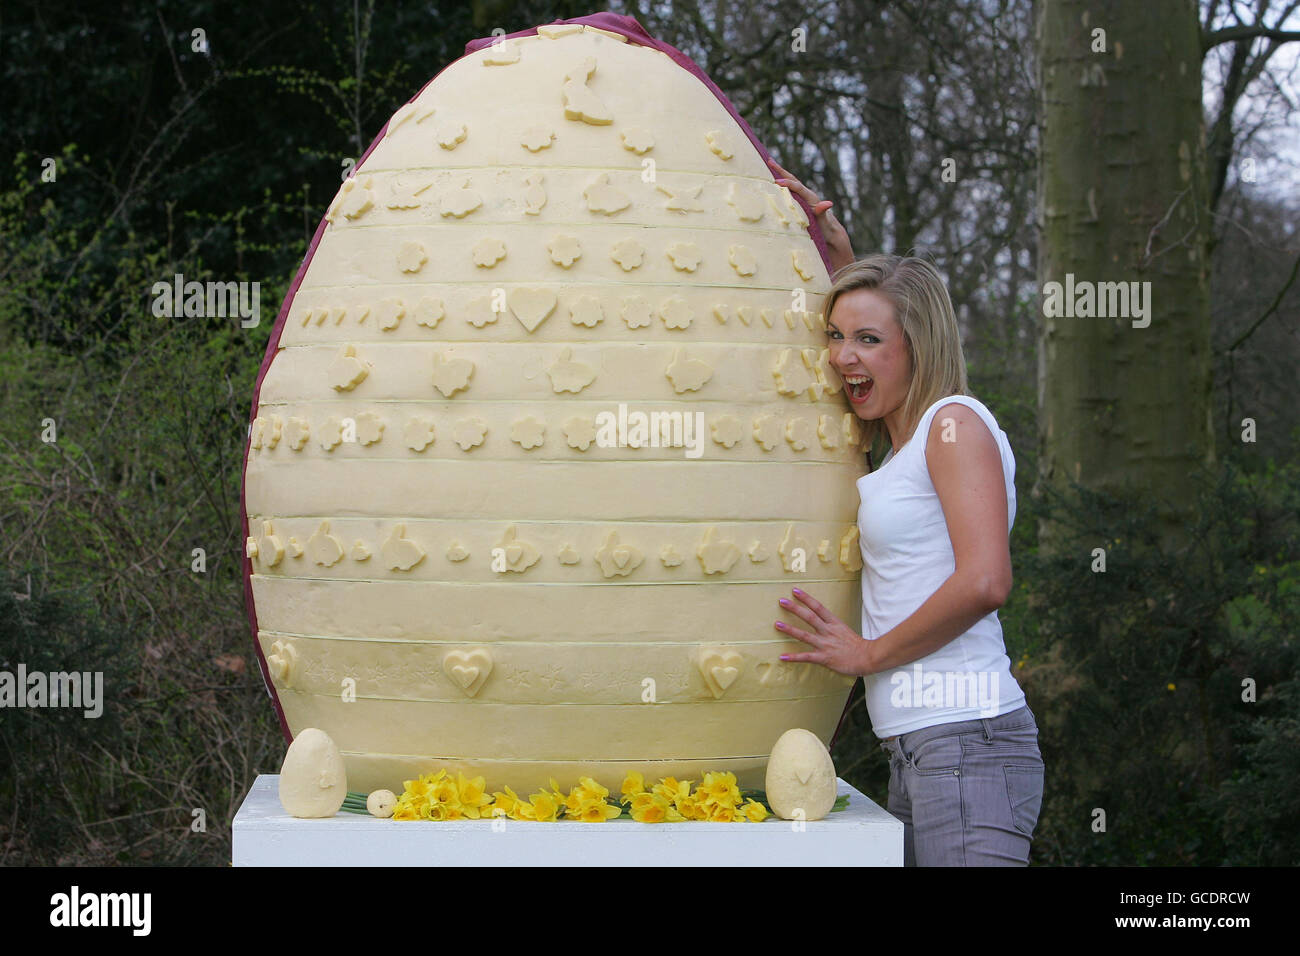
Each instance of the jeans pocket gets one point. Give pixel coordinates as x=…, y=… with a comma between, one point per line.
x=1025, y=794
x=938, y=755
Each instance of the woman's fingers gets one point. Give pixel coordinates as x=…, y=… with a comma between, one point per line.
x=837, y=238
x=797, y=187
x=778, y=167
x=794, y=184
x=796, y=633
x=800, y=611
x=819, y=609
x=810, y=658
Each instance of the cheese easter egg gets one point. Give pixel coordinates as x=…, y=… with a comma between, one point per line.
x=800, y=777
x=545, y=428
x=313, y=781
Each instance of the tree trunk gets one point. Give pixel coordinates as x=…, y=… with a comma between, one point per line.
x=1123, y=197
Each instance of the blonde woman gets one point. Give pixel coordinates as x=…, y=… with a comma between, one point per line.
x=966, y=776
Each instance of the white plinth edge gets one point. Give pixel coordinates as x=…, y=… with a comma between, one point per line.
x=863, y=834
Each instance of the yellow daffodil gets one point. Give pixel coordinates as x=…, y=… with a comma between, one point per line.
x=653, y=808
x=690, y=809
x=718, y=790
x=472, y=796
x=672, y=789
x=507, y=803
x=542, y=806
x=596, y=811
x=406, y=811
x=444, y=793
x=633, y=784
x=439, y=796
x=586, y=802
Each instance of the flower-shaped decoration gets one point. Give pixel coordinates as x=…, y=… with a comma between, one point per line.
x=637, y=140
x=564, y=250
x=528, y=432
x=469, y=433
x=537, y=138
x=488, y=252
x=628, y=253
x=686, y=256
x=579, y=433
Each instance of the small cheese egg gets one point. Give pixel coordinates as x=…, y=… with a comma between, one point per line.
x=313, y=782
x=800, y=777
x=380, y=803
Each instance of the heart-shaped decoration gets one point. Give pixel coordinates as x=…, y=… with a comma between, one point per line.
x=464, y=674
x=804, y=773
x=532, y=306
x=621, y=556
x=468, y=670
x=719, y=668
x=280, y=661
x=724, y=677
x=514, y=552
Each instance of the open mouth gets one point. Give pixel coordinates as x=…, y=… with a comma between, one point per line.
x=858, y=386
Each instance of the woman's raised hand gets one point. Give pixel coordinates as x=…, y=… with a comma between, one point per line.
x=833, y=643
x=837, y=237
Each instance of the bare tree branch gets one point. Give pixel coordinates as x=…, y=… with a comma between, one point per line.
x=1231, y=34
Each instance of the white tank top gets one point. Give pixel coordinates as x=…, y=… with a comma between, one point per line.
x=906, y=556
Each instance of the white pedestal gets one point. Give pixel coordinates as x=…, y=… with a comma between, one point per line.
x=863, y=834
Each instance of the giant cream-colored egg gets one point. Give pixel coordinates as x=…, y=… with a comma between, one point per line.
x=451, y=515
x=800, y=777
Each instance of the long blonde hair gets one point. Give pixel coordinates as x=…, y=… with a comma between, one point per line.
x=925, y=314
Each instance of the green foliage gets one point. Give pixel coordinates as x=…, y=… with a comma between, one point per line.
x=1139, y=686
x=56, y=788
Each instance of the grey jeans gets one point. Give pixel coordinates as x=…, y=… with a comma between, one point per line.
x=968, y=793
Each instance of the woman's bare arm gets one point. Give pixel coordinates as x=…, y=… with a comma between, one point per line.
x=967, y=475
x=836, y=236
